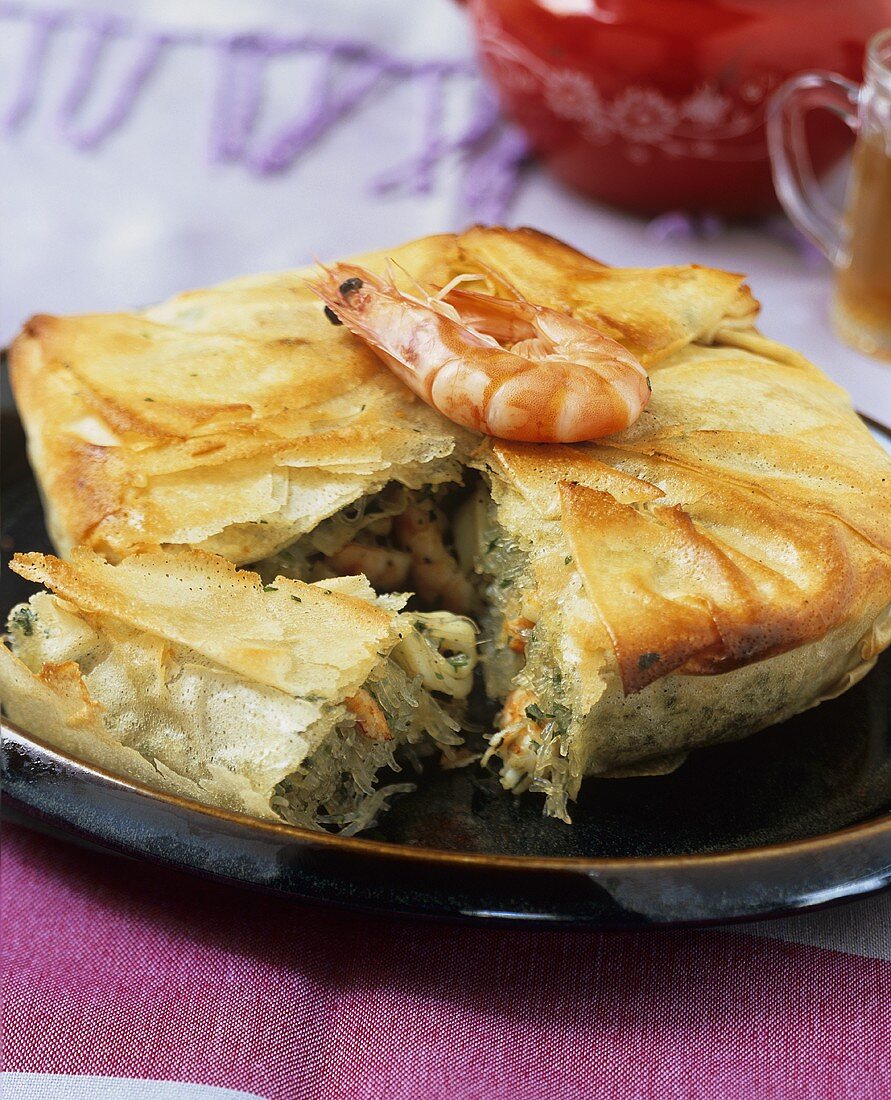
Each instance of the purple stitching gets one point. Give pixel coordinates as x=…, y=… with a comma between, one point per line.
x=296, y=135
x=484, y=122
x=86, y=71
x=349, y=73
x=434, y=145
x=239, y=96
x=121, y=106
x=493, y=176
x=415, y=175
x=43, y=27
x=327, y=104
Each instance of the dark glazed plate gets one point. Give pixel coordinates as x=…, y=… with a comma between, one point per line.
x=794, y=817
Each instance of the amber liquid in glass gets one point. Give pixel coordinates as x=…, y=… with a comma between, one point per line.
x=862, y=298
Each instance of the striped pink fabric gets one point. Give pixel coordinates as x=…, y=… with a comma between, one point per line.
x=118, y=969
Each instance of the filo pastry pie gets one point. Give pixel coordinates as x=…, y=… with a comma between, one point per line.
x=720, y=565
x=281, y=700
x=241, y=420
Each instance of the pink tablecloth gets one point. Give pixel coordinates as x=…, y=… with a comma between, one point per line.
x=117, y=969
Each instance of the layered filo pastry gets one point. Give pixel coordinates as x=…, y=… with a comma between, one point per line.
x=283, y=700
x=240, y=420
x=243, y=420
x=719, y=565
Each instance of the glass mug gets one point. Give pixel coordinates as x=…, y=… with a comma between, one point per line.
x=858, y=240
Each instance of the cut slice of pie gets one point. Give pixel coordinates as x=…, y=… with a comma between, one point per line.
x=285, y=699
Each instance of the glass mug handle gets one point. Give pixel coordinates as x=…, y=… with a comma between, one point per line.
x=793, y=171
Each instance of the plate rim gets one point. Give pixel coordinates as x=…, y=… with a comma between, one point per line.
x=872, y=836
x=391, y=851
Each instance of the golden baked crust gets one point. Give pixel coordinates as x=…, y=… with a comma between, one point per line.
x=747, y=512
x=238, y=418
x=235, y=419
x=303, y=639
x=652, y=311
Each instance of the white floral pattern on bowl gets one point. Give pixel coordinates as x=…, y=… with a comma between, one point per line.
x=701, y=125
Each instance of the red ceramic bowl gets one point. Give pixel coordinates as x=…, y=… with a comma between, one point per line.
x=657, y=105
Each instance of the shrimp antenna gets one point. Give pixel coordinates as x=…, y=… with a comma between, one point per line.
x=390, y=271
x=503, y=283
x=445, y=291
x=408, y=276
x=323, y=266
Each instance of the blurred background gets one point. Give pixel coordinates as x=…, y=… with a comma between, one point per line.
x=151, y=146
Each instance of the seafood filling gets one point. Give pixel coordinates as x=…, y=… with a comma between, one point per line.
x=400, y=539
